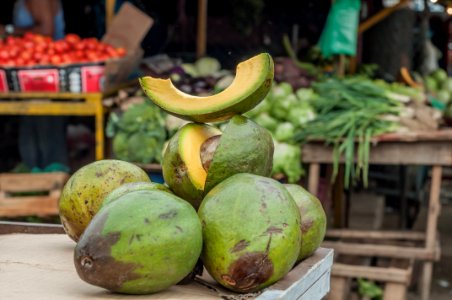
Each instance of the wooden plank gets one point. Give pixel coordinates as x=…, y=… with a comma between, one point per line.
x=46, y=108
x=318, y=290
x=414, y=153
x=378, y=17
x=372, y=273
x=47, y=95
x=293, y=287
x=32, y=182
x=99, y=134
x=434, y=207
x=394, y=291
x=375, y=234
x=314, y=176
x=382, y=250
x=201, y=37
x=29, y=228
x=29, y=206
x=340, y=288
x=23, y=267
x=415, y=136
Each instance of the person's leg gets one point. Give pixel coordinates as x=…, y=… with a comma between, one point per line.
x=28, y=143
x=52, y=140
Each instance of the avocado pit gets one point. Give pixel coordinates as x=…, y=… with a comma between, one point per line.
x=208, y=149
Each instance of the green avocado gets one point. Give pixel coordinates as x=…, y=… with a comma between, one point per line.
x=131, y=187
x=251, y=232
x=251, y=84
x=85, y=191
x=313, y=219
x=244, y=147
x=144, y=242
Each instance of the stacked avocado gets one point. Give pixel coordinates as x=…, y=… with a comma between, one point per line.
x=218, y=205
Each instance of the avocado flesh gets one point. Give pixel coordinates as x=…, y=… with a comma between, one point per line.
x=182, y=165
x=251, y=84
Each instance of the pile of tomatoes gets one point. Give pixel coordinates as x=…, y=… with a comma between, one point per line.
x=33, y=49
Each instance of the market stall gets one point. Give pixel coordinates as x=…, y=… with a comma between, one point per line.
x=423, y=148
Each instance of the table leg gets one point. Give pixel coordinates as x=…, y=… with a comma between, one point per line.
x=99, y=130
x=434, y=207
x=313, y=180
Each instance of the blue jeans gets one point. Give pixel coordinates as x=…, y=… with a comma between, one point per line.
x=42, y=140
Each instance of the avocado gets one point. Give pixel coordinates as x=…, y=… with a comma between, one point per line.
x=141, y=243
x=87, y=188
x=131, y=187
x=182, y=166
x=251, y=232
x=313, y=219
x=200, y=156
x=251, y=84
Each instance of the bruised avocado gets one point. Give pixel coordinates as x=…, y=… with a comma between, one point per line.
x=251, y=84
x=313, y=219
x=143, y=242
x=199, y=156
x=85, y=191
x=251, y=232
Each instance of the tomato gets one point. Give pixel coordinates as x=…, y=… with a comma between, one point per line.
x=19, y=62
x=61, y=46
x=55, y=59
x=72, y=38
x=92, y=56
x=25, y=55
x=4, y=54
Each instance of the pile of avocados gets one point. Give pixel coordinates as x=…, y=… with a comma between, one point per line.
x=219, y=206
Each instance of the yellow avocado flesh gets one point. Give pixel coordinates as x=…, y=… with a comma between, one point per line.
x=250, y=76
x=190, y=141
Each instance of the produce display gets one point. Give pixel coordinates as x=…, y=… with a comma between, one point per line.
x=37, y=50
x=248, y=231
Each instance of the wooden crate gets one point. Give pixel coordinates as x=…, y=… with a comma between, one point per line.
x=40, y=266
x=30, y=194
x=383, y=257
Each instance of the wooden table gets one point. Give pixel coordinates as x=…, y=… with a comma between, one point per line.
x=40, y=266
x=421, y=148
x=69, y=104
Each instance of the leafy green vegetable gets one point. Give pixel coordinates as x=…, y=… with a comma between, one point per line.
x=284, y=132
x=369, y=289
x=349, y=113
x=139, y=133
x=287, y=160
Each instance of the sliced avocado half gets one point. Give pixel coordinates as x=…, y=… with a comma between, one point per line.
x=251, y=84
x=182, y=166
x=199, y=156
